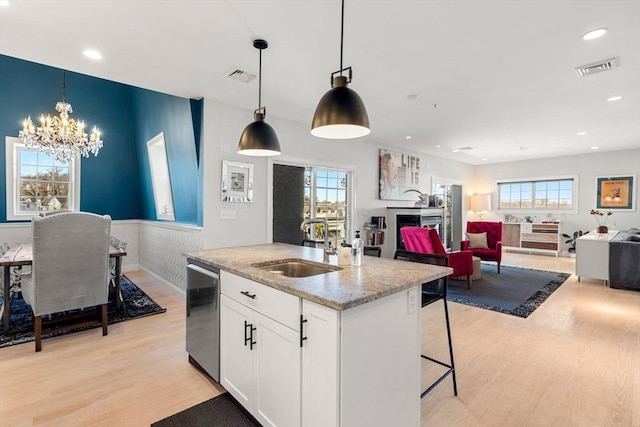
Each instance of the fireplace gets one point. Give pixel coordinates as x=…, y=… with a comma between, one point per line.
x=417, y=220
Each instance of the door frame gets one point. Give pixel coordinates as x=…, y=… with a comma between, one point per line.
x=313, y=163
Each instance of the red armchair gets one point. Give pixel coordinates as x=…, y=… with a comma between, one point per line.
x=493, y=251
x=427, y=241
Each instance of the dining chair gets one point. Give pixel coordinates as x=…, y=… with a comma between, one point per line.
x=434, y=291
x=70, y=272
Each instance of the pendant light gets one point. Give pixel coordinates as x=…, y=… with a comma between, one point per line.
x=340, y=114
x=259, y=138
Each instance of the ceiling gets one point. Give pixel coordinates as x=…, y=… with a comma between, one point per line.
x=500, y=72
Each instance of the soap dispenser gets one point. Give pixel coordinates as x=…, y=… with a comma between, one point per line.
x=357, y=246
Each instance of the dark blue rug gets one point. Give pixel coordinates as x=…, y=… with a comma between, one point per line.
x=515, y=291
x=136, y=303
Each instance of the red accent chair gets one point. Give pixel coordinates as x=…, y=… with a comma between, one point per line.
x=427, y=241
x=494, y=240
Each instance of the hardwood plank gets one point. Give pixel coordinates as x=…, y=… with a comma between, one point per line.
x=574, y=361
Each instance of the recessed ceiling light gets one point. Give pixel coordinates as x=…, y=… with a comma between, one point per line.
x=455, y=151
x=581, y=133
x=484, y=159
x=4, y=3
x=614, y=98
x=438, y=146
x=93, y=54
x=595, y=147
x=408, y=137
x=594, y=34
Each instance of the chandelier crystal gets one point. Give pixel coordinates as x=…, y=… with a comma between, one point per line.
x=61, y=137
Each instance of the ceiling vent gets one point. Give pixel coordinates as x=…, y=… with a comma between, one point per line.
x=598, y=67
x=467, y=148
x=241, y=76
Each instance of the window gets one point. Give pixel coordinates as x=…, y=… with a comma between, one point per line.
x=542, y=194
x=36, y=182
x=325, y=196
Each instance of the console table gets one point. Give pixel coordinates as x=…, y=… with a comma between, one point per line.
x=592, y=255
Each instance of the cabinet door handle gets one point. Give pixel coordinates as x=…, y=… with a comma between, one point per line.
x=247, y=339
x=251, y=341
x=247, y=294
x=302, y=322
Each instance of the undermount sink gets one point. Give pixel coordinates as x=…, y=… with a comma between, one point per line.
x=296, y=268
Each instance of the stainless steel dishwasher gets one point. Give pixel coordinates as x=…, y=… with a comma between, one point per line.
x=203, y=318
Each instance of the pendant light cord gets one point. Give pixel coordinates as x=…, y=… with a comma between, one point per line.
x=260, y=81
x=64, y=85
x=341, y=35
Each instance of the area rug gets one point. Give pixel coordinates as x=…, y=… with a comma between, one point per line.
x=136, y=302
x=515, y=291
x=221, y=411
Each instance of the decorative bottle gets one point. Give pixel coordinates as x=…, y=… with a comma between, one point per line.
x=357, y=246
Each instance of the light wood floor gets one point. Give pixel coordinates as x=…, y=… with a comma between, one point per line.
x=574, y=362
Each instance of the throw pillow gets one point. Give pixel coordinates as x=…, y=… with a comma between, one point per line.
x=477, y=240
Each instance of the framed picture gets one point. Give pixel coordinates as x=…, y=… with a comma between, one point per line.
x=616, y=192
x=398, y=173
x=237, y=182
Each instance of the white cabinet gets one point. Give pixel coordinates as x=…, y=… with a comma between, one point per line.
x=592, y=255
x=532, y=237
x=361, y=366
x=320, y=367
x=292, y=362
x=260, y=361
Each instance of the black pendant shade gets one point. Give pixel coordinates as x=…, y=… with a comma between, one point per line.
x=259, y=138
x=340, y=114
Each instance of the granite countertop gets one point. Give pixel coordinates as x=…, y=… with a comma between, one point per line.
x=340, y=290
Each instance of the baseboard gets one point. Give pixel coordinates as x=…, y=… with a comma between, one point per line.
x=160, y=280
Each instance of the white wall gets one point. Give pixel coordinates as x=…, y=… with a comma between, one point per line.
x=586, y=167
x=223, y=125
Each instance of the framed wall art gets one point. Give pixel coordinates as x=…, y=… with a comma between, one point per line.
x=398, y=173
x=237, y=182
x=616, y=192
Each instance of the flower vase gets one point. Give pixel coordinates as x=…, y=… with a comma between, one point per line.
x=603, y=229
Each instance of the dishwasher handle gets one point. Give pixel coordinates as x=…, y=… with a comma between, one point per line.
x=212, y=274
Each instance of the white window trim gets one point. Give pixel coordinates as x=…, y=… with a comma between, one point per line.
x=11, y=159
x=574, y=196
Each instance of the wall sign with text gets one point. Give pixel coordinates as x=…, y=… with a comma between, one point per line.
x=616, y=192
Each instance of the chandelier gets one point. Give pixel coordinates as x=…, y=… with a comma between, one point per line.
x=61, y=137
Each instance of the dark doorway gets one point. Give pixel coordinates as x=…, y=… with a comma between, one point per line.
x=288, y=204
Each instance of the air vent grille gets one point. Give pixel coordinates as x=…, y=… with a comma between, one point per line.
x=598, y=67
x=241, y=76
x=467, y=148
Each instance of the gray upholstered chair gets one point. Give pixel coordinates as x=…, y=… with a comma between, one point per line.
x=70, y=269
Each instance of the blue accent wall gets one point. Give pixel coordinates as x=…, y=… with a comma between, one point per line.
x=118, y=181
x=152, y=113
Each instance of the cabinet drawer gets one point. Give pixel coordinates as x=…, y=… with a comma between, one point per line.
x=278, y=305
x=540, y=245
x=539, y=237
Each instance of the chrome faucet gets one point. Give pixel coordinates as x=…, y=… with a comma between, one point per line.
x=328, y=250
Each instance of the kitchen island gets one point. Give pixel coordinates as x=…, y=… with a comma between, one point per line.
x=340, y=348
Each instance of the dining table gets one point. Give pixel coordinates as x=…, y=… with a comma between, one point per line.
x=21, y=254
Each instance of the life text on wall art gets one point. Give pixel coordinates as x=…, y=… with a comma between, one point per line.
x=398, y=173
x=616, y=192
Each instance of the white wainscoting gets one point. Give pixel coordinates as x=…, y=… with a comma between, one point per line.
x=155, y=246
x=160, y=249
